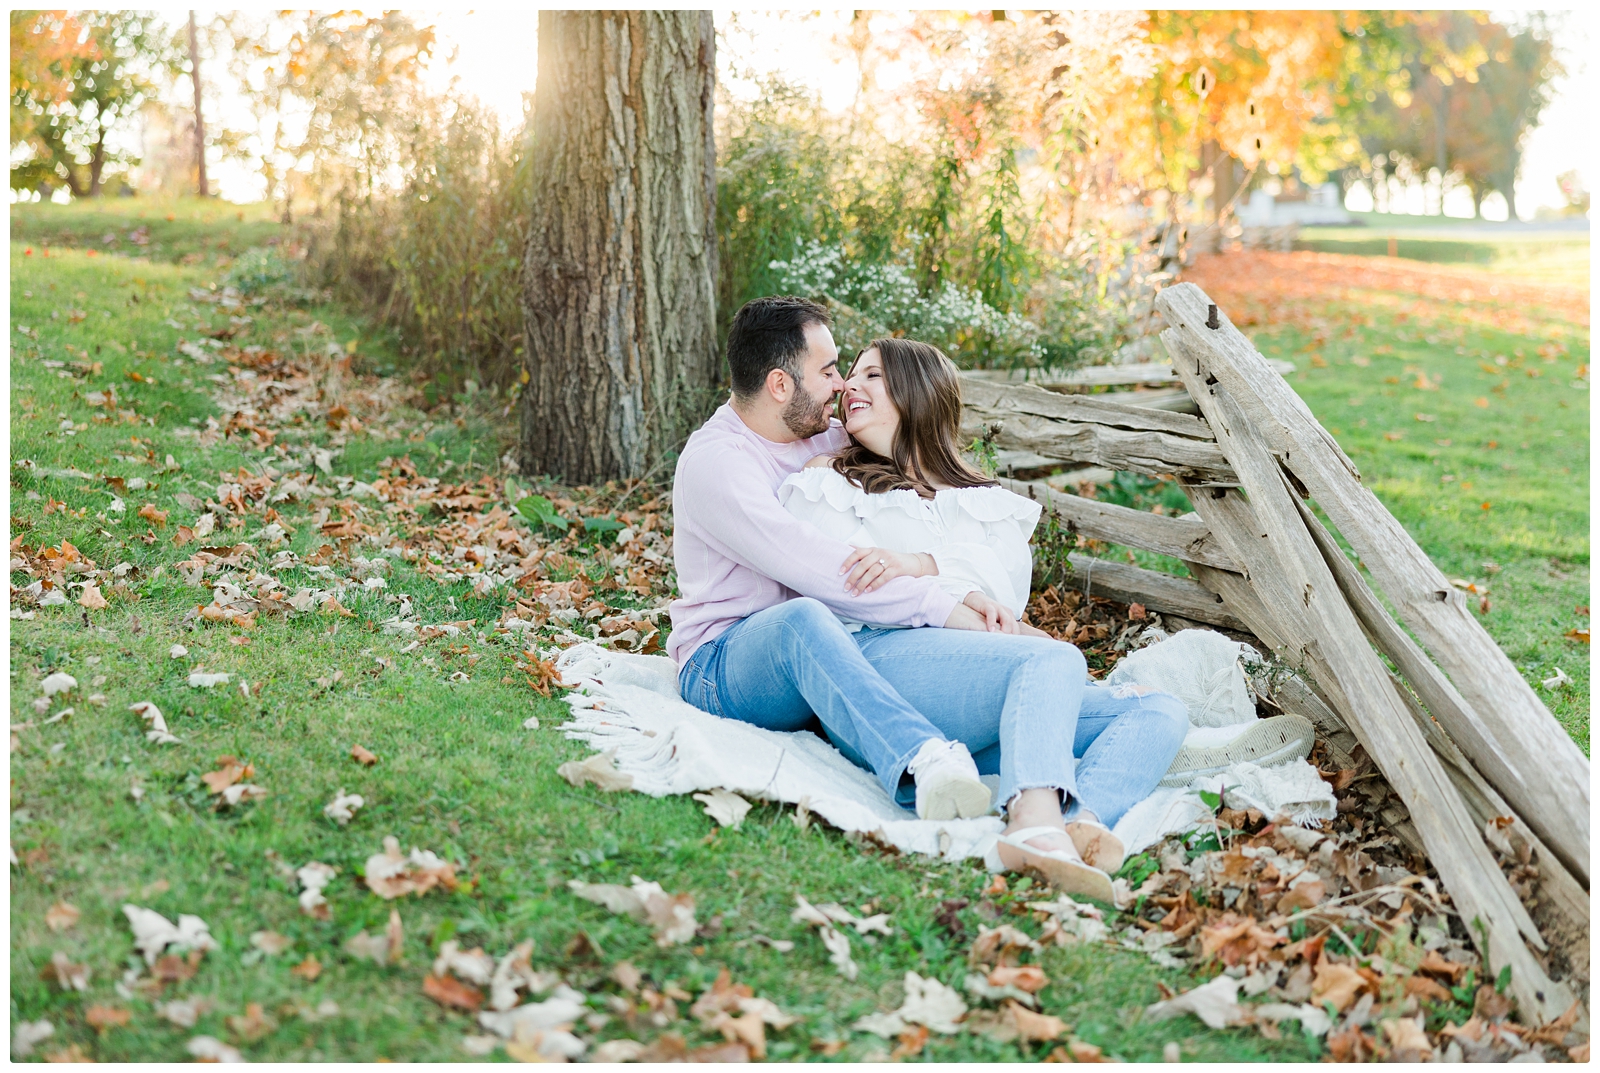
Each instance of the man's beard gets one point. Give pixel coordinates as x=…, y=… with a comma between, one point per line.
x=804, y=415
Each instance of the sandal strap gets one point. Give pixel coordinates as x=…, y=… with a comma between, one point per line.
x=1034, y=832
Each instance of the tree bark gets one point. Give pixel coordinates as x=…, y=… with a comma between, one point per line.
x=620, y=267
x=199, y=117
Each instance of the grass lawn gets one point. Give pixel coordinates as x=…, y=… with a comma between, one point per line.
x=1552, y=252
x=457, y=772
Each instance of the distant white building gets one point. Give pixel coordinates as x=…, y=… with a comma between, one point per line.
x=1317, y=205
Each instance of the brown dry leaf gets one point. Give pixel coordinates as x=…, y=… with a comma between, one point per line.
x=724, y=806
x=1407, y=1041
x=1491, y=1005
x=150, y=513
x=1435, y=964
x=1580, y=1053
x=910, y=1042
x=91, y=598
x=362, y=755
x=1029, y=978
x=748, y=1029
x=395, y=936
x=1001, y=945
x=172, y=969
x=230, y=772
x=332, y=606
x=1338, y=984
x=252, y=1025
x=627, y=977
x=65, y=973
x=1082, y=1051
x=1304, y=895
x=270, y=943
x=391, y=874
x=104, y=1018
x=1425, y=988
x=1237, y=940
x=1580, y=634
x=73, y=1052
x=448, y=991
x=308, y=970
x=599, y=769
x=1034, y=1026
x=672, y=916
x=725, y=1052
x=61, y=916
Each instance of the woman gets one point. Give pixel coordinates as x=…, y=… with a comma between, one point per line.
x=902, y=494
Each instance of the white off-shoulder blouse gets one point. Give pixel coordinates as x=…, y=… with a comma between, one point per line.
x=977, y=536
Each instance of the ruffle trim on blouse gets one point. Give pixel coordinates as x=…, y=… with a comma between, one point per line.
x=823, y=483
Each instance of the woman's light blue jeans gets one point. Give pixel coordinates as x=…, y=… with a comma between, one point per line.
x=1021, y=705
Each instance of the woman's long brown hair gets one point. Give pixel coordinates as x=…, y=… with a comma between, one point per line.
x=923, y=387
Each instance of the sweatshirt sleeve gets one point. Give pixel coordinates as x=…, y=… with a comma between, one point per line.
x=728, y=502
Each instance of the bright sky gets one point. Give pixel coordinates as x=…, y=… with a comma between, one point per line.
x=495, y=59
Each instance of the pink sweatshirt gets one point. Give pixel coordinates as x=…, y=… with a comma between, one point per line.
x=738, y=551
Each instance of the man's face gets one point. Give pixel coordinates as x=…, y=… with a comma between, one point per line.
x=806, y=412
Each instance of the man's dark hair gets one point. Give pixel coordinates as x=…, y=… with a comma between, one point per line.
x=767, y=334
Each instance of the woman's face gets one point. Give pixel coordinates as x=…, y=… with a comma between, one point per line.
x=869, y=415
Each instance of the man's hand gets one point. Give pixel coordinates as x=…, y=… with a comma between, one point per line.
x=980, y=612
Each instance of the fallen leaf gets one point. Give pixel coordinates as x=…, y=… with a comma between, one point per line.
x=1215, y=1003
x=626, y=976
x=73, y=1052
x=29, y=1034
x=210, y=1049
x=838, y=947
x=1338, y=984
x=59, y=682
x=104, y=1018
x=1407, y=1041
x=1557, y=680
x=363, y=756
x=252, y=1025
x=391, y=874
x=342, y=808
x=1491, y=1005
x=229, y=773
x=172, y=969
x=599, y=769
x=618, y=1050
x=729, y=810
x=158, y=732
x=1029, y=978
x=1035, y=1026
x=672, y=916
x=150, y=513
x=91, y=598
x=1580, y=634
x=1432, y=990
x=448, y=991
x=270, y=942
x=308, y=970
x=154, y=933
x=928, y=1002
x=203, y=680
x=1001, y=945
x=313, y=878
x=61, y=916
x=472, y=966
x=910, y=1043
x=185, y=1013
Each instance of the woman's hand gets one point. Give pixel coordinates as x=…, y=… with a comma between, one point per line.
x=869, y=568
x=982, y=613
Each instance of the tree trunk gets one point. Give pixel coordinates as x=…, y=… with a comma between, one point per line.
x=199, y=117
x=620, y=268
x=97, y=161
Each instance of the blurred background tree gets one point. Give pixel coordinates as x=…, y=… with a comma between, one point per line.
x=1006, y=184
x=74, y=79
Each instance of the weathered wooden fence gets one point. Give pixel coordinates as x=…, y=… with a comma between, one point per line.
x=1460, y=736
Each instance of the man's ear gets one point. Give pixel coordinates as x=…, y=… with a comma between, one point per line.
x=779, y=384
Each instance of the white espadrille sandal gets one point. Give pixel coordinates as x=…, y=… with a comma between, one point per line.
x=1264, y=742
x=1098, y=847
x=1060, y=869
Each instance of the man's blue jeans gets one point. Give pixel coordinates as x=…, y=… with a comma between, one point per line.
x=1021, y=705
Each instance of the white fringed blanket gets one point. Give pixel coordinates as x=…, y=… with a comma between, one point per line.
x=630, y=703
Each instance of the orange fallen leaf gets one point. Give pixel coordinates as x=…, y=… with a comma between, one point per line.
x=61, y=916
x=1034, y=1026
x=252, y=1025
x=363, y=755
x=308, y=970
x=104, y=1018
x=448, y=991
x=1481, y=402
x=1581, y=633
x=911, y=1042
x=150, y=513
